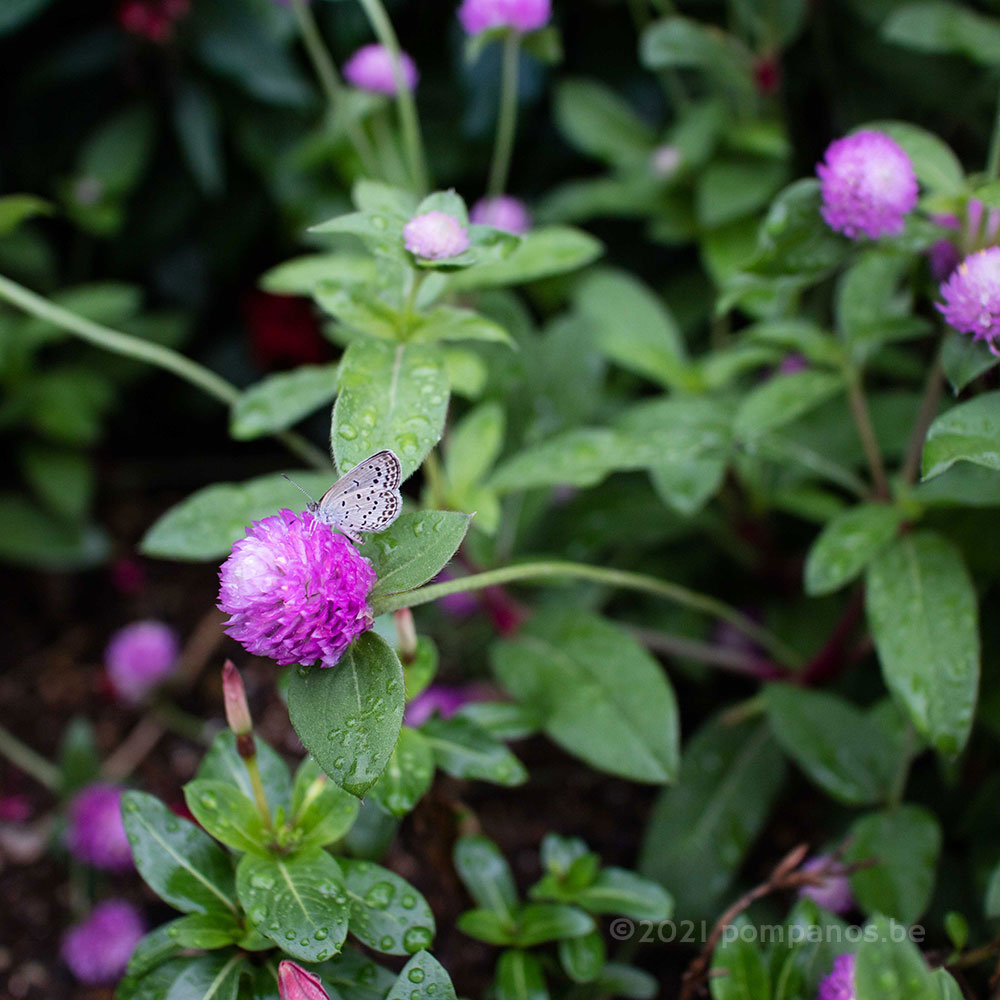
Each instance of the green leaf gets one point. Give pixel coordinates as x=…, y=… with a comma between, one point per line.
x=414, y=549
x=519, y=976
x=848, y=544
x=486, y=875
x=965, y=359
x=473, y=445
x=890, y=966
x=969, y=432
x=991, y=904
x=617, y=890
x=303, y=275
x=937, y=168
x=30, y=536
x=700, y=831
x=205, y=931
x=819, y=936
x=205, y=525
x=729, y=190
x=407, y=776
x=298, y=902
x=685, y=43
x=391, y=396
x=18, y=208
x=782, y=399
x=64, y=479
x=923, y=614
x=321, y=811
x=154, y=949
x=542, y=253
x=387, y=913
x=179, y=862
x=356, y=977
x=422, y=978
x=906, y=843
x=582, y=958
x=625, y=981
x=487, y=926
x=936, y=26
x=79, y=762
x=465, y=750
x=738, y=969
x=223, y=763
x=117, y=153
x=227, y=814
x=603, y=697
x=836, y=745
x=596, y=121
x=539, y=923
x=199, y=977
x=278, y=401
x=945, y=985
x=452, y=323
x=422, y=669
x=199, y=130
x=650, y=343
x=349, y=716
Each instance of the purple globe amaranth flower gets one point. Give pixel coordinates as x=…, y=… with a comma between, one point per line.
x=502, y=212
x=296, y=590
x=521, y=15
x=98, y=950
x=972, y=297
x=435, y=235
x=95, y=832
x=868, y=185
x=294, y=983
x=440, y=699
x=839, y=984
x=834, y=894
x=371, y=69
x=139, y=657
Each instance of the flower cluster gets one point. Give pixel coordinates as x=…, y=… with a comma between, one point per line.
x=521, y=15
x=98, y=949
x=839, y=984
x=972, y=297
x=95, y=830
x=435, y=235
x=296, y=591
x=502, y=212
x=371, y=69
x=139, y=657
x=868, y=185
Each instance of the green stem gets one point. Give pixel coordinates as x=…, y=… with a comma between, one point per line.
x=329, y=79
x=405, y=105
x=143, y=350
x=540, y=571
x=993, y=161
x=259, y=795
x=866, y=432
x=33, y=764
x=503, y=149
x=670, y=79
x=929, y=404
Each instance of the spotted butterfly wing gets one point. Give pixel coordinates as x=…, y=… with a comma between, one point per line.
x=365, y=499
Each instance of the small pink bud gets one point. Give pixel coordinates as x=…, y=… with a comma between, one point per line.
x=406, y=635
x=294, y=983
x=237, y=709
x=435, y=235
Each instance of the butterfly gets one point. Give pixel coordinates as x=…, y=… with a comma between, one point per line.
x=365, y=499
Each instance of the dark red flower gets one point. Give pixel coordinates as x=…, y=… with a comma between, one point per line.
x=284, y=331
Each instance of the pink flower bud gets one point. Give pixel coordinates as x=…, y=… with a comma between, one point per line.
x=235, y=697
x=502, y=212
x=371, y=69
x=139, y=657
x=98, y=950
x=834, y=894
x=435, y=235
x=406, y=634
x=294, y=983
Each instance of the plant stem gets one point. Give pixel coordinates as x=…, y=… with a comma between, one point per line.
x=503, y=148
x=993, y=162
x=929, y=403
x=405, y=105
x=33, y=764
x=153, y=354
x=540, y=571
x=745, y=664
x=329, y=80
x=259, y=795
x=866, y=431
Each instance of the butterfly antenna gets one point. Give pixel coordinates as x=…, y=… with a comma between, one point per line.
x=296, y=485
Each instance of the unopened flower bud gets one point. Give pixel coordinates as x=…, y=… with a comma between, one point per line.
x=294, y=983
x=406, y=635
x=435, y=235
x=235, y=696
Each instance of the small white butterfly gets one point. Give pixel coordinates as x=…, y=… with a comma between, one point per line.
x=365, y=499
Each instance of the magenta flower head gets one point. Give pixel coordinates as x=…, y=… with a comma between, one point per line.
x=370, y=68
x=868, y=185
x=502, y=212
x=435, y=235
x=294, y=983
x=834, y=894
x=296, y=590
x=972, y=297
x=95, y=832
x=521, y=15
x=97, y=951
x=839, y=985
x=139, y=657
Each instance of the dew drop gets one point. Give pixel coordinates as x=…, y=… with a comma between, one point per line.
x=416, y=975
